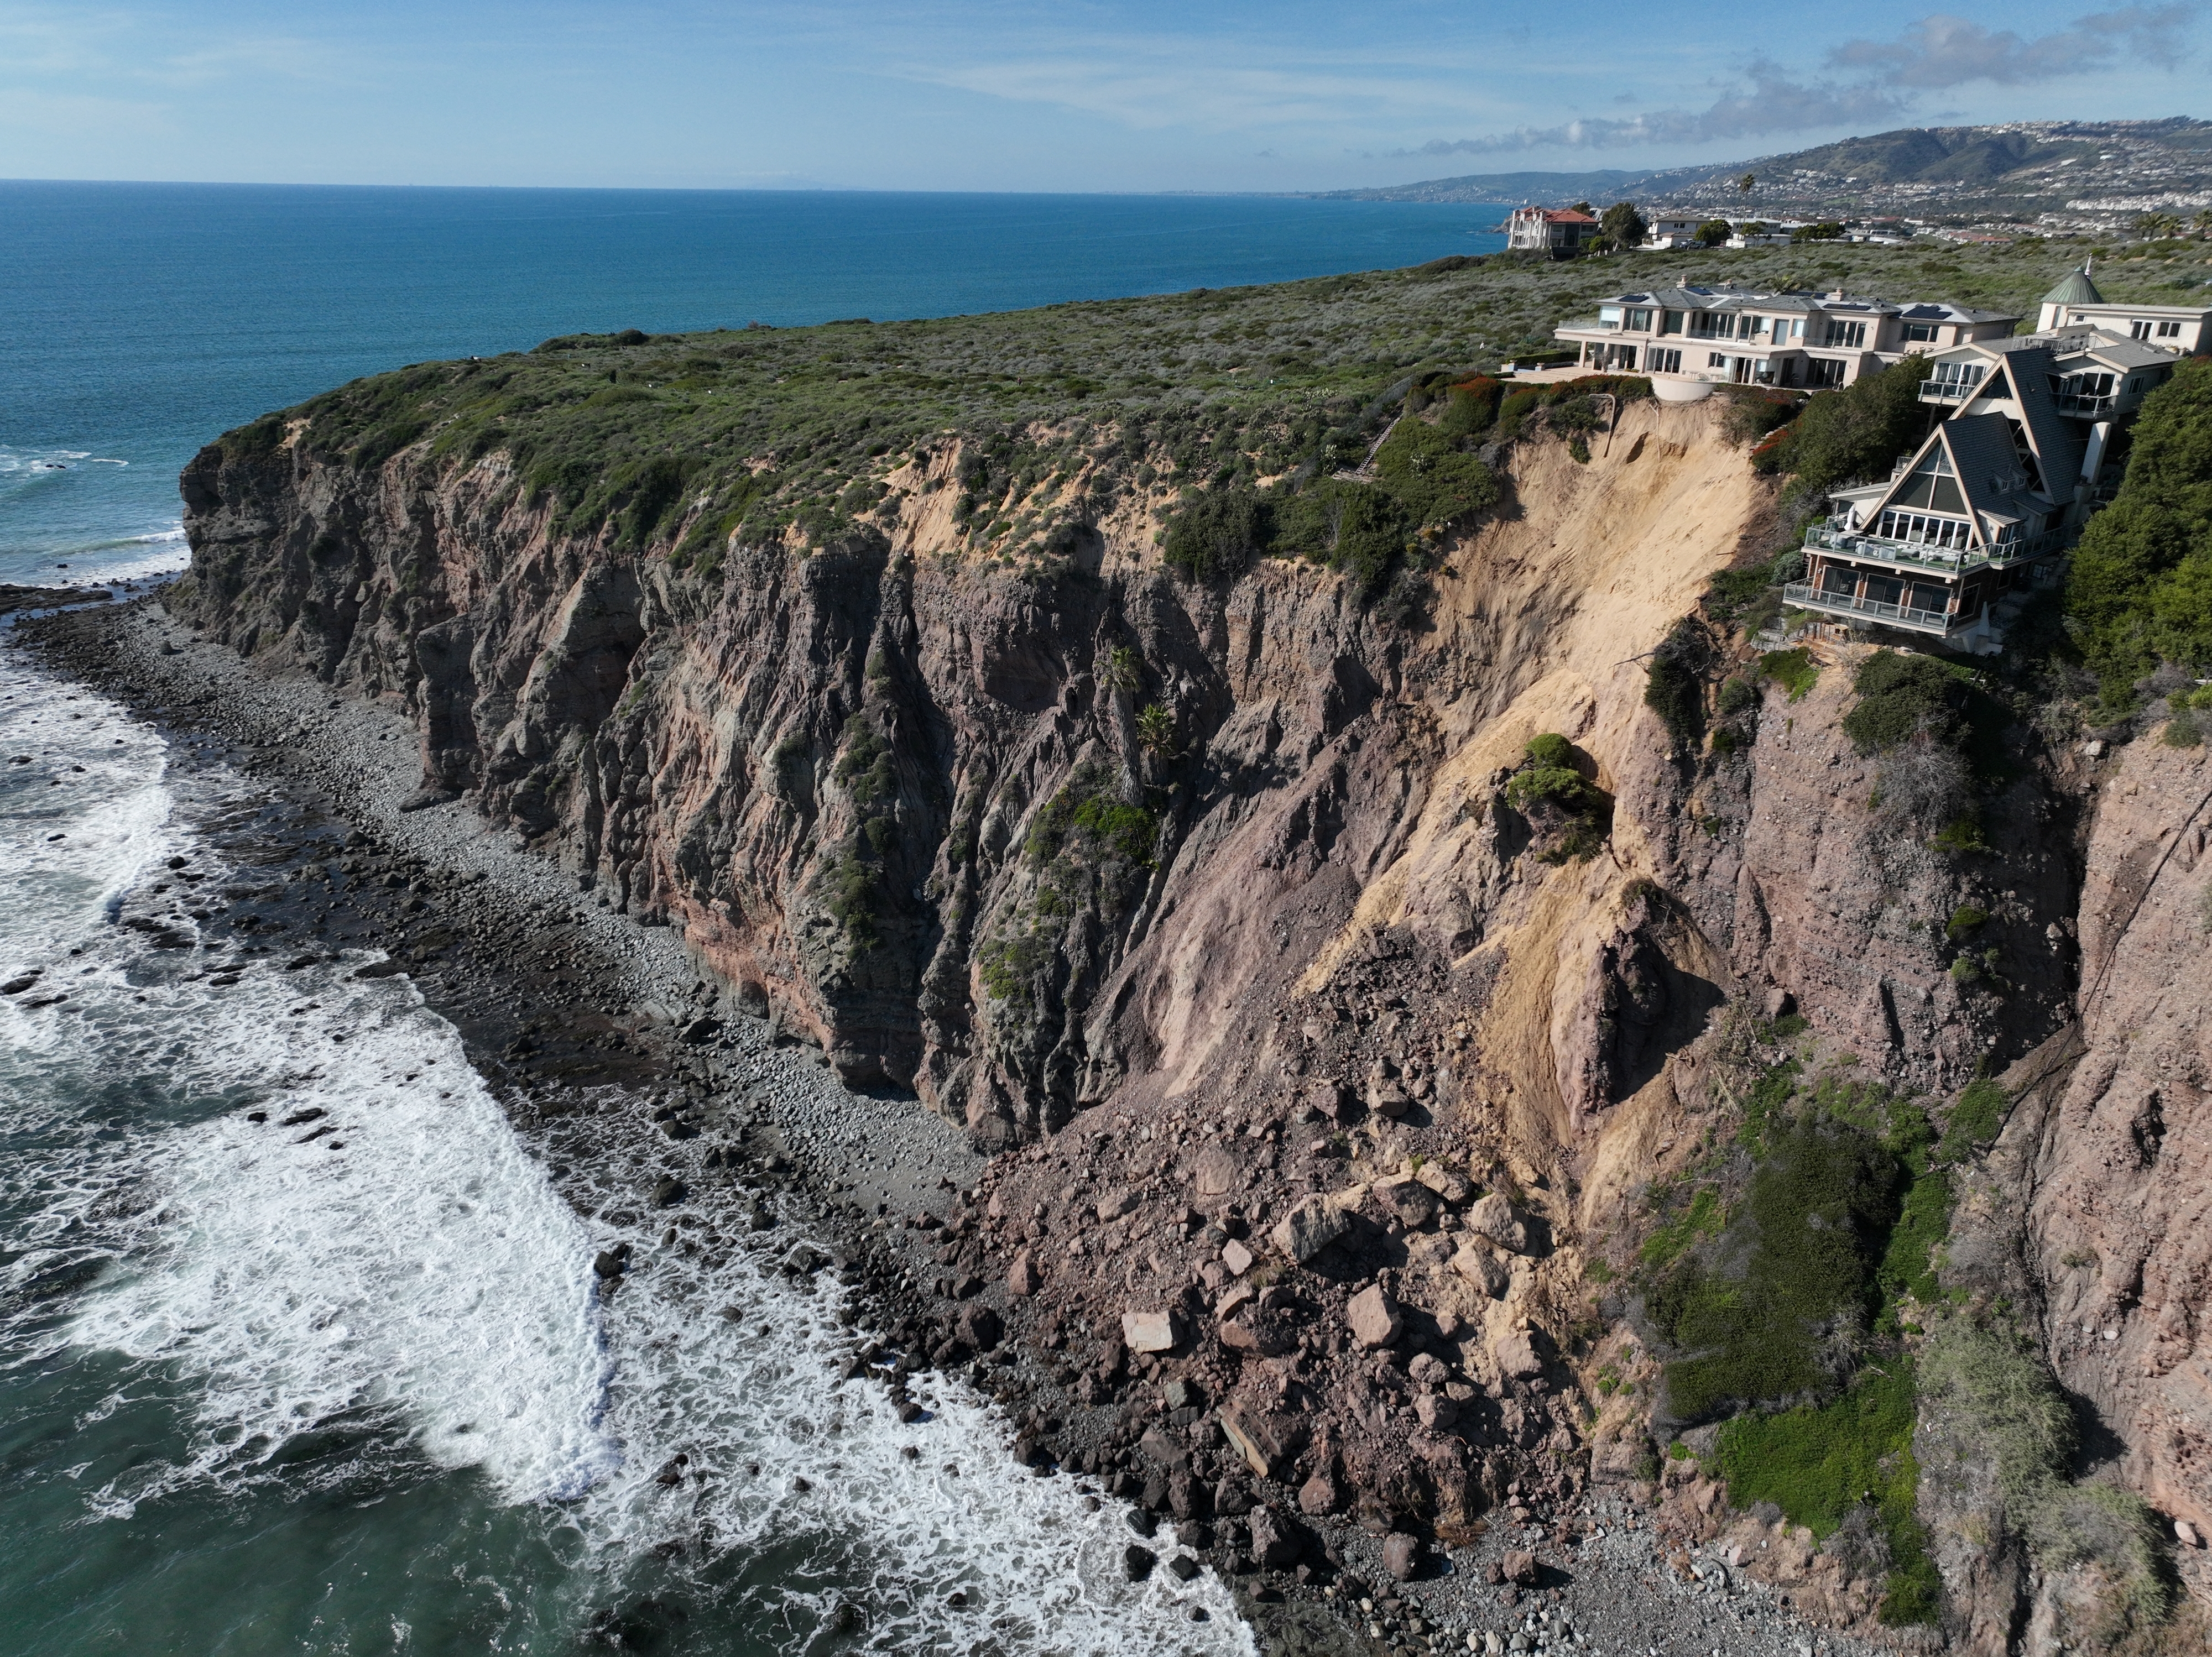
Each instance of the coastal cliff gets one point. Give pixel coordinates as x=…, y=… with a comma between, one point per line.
x=1377, y=986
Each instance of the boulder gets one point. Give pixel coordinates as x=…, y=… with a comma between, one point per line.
x=1137, y=1562
x=1150, y=1331
x=1334, y=1100
x=1493, y=1217
x=1264, y=1438
x=1402, y=1556
x=1373, y=1317
x=1519, y=1567
x=1319, y=1495
x=1310, y=1227
x=1163, y=1447
x=1023, y=1277
x=979, y=1325
x=670, y=1191
x=1435, y=1411
x=1479, y=1267
x=1275, y=1543
x=1410, y=1202
x=1428, y=1370
x=1114, y=1204
x=1217, y=1172
x=1451, y=1186
x=1515, y=1352
x=1238, y=1257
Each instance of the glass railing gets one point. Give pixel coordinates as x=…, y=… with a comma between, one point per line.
x=2086, y=408
x=1919, y=555
x=1947, y=391
x=1844, y=604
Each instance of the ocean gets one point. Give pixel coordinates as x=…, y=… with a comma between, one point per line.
x=353, y=1393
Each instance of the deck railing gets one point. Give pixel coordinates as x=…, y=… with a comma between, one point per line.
x=1919, y=555
x=1844, y=604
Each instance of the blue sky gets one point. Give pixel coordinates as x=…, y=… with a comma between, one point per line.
x=926, y=95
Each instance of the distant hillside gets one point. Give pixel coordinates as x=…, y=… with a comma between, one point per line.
x=2084, y=175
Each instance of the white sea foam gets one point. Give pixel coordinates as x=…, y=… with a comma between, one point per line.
x=398, y=1258
x=737, y=1368
x=398, y=1276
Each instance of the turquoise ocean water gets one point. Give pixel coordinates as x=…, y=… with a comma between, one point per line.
x=265, y=1394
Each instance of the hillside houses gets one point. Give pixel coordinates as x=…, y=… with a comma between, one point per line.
x=1690, y=337
x=1982, y=510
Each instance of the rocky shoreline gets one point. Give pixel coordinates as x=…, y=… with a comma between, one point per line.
x=571, y=1008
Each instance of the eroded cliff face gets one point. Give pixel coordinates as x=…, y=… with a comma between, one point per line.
x=2119, y=1169
x=1211, y=898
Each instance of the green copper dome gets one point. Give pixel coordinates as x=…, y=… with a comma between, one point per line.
x=2074, y=288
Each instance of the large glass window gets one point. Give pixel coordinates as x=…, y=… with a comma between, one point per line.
x=1957, y=378
x=1932, y=485
x=1637, y=322
x=1851, y=335
x=1665, y=361
x=1924, y=529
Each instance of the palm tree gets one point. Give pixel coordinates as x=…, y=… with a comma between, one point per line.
x=1746, y=182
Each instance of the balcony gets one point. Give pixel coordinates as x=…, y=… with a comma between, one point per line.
x=1844, y=603
x=2086, y=408
x=1947, y=390
x=1914, y=556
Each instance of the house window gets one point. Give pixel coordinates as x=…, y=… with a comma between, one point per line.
x=1819, y=374
x=1851, y=335
x=1670, y=322
x=1664, y=362
x=1841, y=580
x=2169, y=330
x=1932, y=484
x=1922, y=529
x=1920, y=333
x=1638, y=321
x=1957, y=378
x=1930, y=599
x=1715, y=359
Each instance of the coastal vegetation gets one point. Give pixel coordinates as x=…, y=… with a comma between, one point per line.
x=672, y=444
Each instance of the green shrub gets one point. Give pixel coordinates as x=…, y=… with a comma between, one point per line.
x=1998, y=1402
x=2139, y=585
x=1469, y=408
x=1817, y=1464
x=1900, y=695
x=1436, y=484
x=1555, y=785
x=1856, y=432
x=1795, y=670
x=1756, y=1324
x=1976, y=1119
x=1960, y=836
x=1216, y=535
x=2182, y=731
x=1703, y=1218
x=1551, y=751
x=1673, y=687
x=1736, y=694
x=1964, y=919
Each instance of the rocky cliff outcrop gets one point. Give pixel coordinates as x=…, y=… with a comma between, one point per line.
x=1218, y=909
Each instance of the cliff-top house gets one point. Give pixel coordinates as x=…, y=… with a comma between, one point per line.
x=2015, y=460
x=1549, y=230
x=1691, y=338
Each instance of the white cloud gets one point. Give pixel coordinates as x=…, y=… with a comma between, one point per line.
x=1769, y=102
x=1940, y=50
